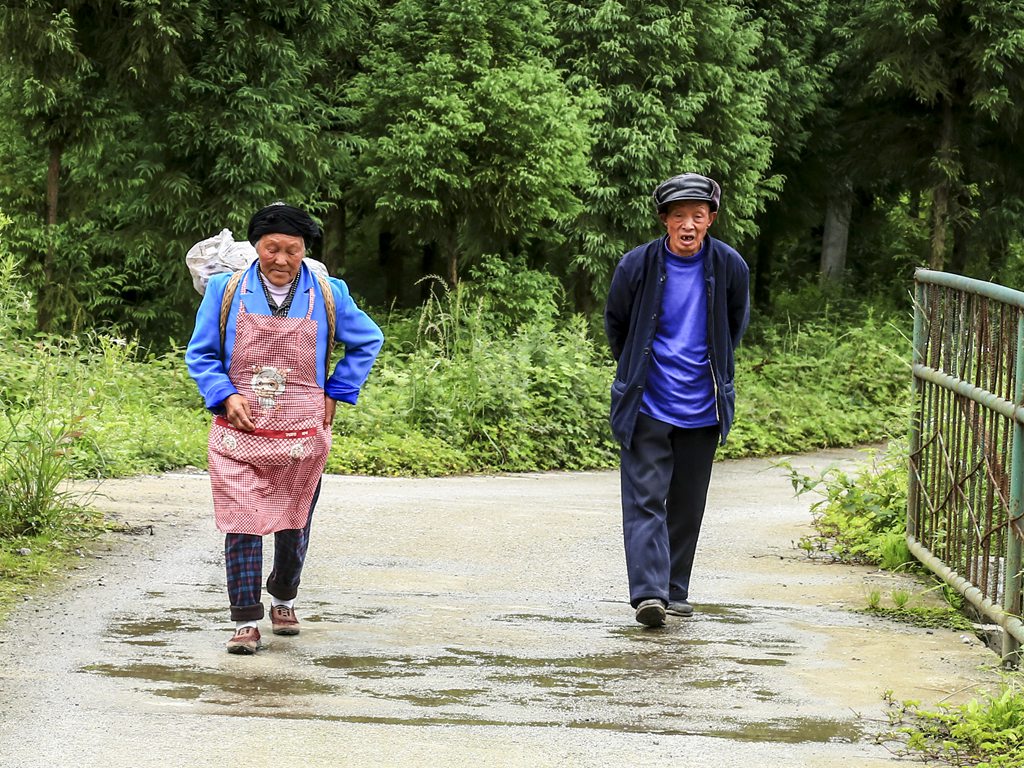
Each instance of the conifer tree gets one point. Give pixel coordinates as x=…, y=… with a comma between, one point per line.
x=173, y=119
x=679, y=90
x=950, y=74
x=473, y=142
x=796, y=56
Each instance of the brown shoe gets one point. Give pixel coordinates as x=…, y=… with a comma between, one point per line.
x=245, y=640
x=282, y=618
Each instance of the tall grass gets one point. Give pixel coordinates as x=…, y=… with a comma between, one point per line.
x=987, y=732
x=40, y=413
x=458, y=390
x=820, y=383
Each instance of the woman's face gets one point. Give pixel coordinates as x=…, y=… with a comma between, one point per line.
x=280, y=257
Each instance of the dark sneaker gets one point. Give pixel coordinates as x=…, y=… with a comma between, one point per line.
x=245, y=640
x=679, y=608
x=651, y=613
x=283, y=620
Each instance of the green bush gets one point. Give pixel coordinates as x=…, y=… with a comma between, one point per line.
x=490, y=376
x=494, y=397
x=861, y=515
x=820, y=384
x=986, y=732
x=41, y=415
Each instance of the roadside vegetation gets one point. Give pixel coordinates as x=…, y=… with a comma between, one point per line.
x=512, y=149
x=860, y=517
x=987, y=732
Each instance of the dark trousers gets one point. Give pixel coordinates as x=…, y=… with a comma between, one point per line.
x=243, y=559
x=665, y=475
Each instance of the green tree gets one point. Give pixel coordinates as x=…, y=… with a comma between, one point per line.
x=679, y=89
x=63, y=79
x=951, y=72
x=174, y=118
x=473, y=142
x=797, y=58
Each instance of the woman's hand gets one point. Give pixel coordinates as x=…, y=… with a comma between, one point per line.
x=236, y=411
x=330, y=404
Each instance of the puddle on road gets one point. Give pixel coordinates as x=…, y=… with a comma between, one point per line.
x=527, y=617
x=249, y=687
x=338, y=618
x=613, y=686
x=442, y=698
x=147, y=627
x=759, y=662
x=626, y=663
x=510, y=678
x=795, y=731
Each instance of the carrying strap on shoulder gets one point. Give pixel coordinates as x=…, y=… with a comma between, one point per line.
x=225, y=304
x=330, y=307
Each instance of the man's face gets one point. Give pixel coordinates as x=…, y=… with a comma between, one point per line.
x=280, y=257
x=687, y=222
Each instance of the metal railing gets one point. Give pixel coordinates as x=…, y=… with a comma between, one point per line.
x=965, y=506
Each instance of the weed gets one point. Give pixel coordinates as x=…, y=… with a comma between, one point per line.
x=900, y=598
x=874, y=599
x=924, y=616
x=986, y=732
x=861, y=515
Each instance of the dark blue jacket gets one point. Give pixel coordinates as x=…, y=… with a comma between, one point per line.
x=631, y=320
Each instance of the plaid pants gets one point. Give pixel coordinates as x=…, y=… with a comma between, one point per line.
x=243, y=559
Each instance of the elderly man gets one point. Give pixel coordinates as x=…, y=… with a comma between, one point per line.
x=677, y=309
x=259, y=355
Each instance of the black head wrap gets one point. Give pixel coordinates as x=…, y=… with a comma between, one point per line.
x=282, y=219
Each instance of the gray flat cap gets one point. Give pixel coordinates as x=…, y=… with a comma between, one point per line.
x=687, y=186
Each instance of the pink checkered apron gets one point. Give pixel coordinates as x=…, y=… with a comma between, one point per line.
x=264, y=481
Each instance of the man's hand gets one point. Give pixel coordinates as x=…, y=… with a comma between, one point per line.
x=236, y=411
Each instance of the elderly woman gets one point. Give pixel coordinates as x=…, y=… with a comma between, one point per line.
x=259, y=355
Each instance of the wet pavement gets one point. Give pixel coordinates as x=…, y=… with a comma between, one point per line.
x=464, y=621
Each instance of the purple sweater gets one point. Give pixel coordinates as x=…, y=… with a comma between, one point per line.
x=680, y=389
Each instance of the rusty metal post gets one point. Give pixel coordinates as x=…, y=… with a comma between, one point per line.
x=1011, y=592
x=914, y=437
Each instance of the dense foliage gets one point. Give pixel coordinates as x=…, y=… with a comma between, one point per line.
x=852, y=139
x=488, y=376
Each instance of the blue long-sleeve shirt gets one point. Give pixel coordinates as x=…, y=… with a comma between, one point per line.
x=680, y=387
x=361, y=337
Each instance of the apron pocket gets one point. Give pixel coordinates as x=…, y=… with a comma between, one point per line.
x=261, y=451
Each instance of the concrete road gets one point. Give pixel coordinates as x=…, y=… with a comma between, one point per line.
x=468, y=621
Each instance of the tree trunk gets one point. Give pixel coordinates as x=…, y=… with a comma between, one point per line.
x=940, y=220
x=941, y=194
x=44, y=296
x=335, y=243
x=452, y=256
x=961, y=246
x=763, y=268
x=391, y=264
x=583, y=293
x=428, y=269
x=836, y=235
